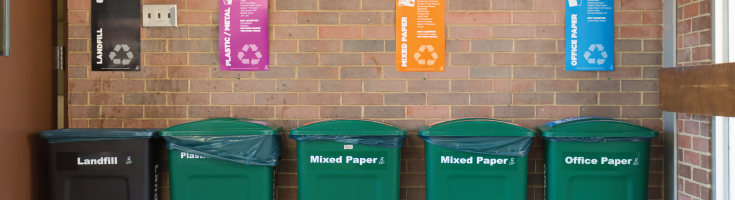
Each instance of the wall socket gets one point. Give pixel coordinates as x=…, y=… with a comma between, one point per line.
x=163, y=15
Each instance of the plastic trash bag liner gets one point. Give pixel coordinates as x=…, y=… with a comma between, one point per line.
x=591, y=139
x=388, y=141
x=498, y=146
x=87, y=135
x=244, y=149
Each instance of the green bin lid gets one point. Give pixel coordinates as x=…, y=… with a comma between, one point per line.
x=476, y=127
x=223, y=126
x=594, y=127
x=348, y=127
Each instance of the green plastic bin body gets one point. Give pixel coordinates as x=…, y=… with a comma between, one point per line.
x=195, y=178
x=611, y=170
x=480, y=176
x=329, y=170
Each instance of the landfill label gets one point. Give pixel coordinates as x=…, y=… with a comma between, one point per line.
x=590, y=35
x=243, y=35
x=93, y=161
x=420, y=35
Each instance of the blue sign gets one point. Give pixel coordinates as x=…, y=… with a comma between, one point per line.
x=590, y=35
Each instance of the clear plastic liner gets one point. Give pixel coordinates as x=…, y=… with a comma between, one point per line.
x=387, y=141
x=598, y=139
x=244, y=149
x=87, y=135
x=498, y=146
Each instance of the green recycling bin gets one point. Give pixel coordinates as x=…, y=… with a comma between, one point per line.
x=596, y=158
x=223, y=159
x=476, y=158
x=348, y=159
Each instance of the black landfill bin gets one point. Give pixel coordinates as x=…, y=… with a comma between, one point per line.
x=103, y=164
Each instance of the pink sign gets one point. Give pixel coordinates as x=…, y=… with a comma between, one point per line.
x=243, y=35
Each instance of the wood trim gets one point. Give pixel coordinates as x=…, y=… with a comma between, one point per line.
x=703, y=90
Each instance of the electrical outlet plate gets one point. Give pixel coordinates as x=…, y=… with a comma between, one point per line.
x=162, y=15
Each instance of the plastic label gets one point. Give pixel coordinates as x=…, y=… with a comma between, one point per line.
x=590, y=35
x=349, y=146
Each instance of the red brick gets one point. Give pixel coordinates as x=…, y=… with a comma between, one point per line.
x=379, y=32
x=319, y=45
x=427, y=111
x=533, y=98
x=701, y=53
x=79, y=123
x=449, y=73
x=362, y=99
x=188, y=98
x=298, y=85
x=691, y=127
x=194, y=18
x=341, y=59
x=491, y=98
x=576, y=98
x=255, y=85
x=550, y=31
x=78, y=17
x=472, y=111
x=556, y=85
x=535, y=46
x=512, y=4
x=490, y=17
x=620, y=98
x=340, y=86
x=468, y=4
x=622, y=72
x=143, y=99
x=691, y=157
x=514, y=111
x=84, y=85
x=513, y=31
x=123, y=85
x=640, y=5
x=319, y=99
x=405, y=98
x=340, y=112
x=514, y=85
x=80, y=59
x=385, y=112
x=549, y=5
x=428, y=85
x=628, y=17
x=640, y=31
x=148, y=72
x=282, y=17
x=360, y=72
x=557, y=111
x=296, y=5
x=276, y=98
x=105, y=123
x=514, y=59
x=690, y=40
x=379, y=59
x=378, y=5
x=318, y=18
x=600, y=111
x=297, y=111
x=165, y=112
x=653, y=17
x=318, y=72
x=466, y=32
x=84, y=111
x=702, y=145
x=533, y=18
x=77, y=98
x=145, y=124
x=339, y=4
x=209, y=111
x=448, y=98
x=472, y=85
x=471, y=59
x=188, y=72
x=385, y=85
x=166, y=59
x=691, y=10
x=360, y=18
x=253, y=111
x=295, y=32
x=168, y=85
x=232, y=99
x=340, y=32
x=211, y=86
x=122, y=112
x=641, y=112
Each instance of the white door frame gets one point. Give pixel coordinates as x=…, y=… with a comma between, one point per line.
x=723, y=51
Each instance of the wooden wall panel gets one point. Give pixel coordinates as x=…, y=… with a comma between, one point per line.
x=704, y=90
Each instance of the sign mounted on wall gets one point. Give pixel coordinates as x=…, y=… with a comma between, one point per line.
x=420, y=35
x=590, y=40
x=115, y=35
x=243, y=35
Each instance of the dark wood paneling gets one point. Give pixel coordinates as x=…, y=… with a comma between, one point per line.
x=703, y=90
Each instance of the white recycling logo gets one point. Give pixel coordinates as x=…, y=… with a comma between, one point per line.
x=250, y=48
x=596, y=48
x=423, y=49
x=126, y=51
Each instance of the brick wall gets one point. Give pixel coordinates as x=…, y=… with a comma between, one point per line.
x=335, y=58
x=694, y=45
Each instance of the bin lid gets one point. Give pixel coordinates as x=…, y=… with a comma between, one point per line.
x=594, y=127
x=348, y=127
x=476, y=127
x=63, y=135
x=223, y=126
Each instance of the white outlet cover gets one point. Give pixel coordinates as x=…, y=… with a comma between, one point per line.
x=160, y=15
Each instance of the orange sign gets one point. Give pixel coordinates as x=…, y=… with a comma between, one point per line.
x=420, y=35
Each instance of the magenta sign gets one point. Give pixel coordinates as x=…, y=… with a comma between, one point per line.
x=243, y=35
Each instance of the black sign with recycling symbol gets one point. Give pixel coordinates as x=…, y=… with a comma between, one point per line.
x=115, y=43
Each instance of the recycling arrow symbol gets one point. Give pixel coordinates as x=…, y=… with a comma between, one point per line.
x=126, y=51
x=596, y=48
x=426, y=48
x=250, y=48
